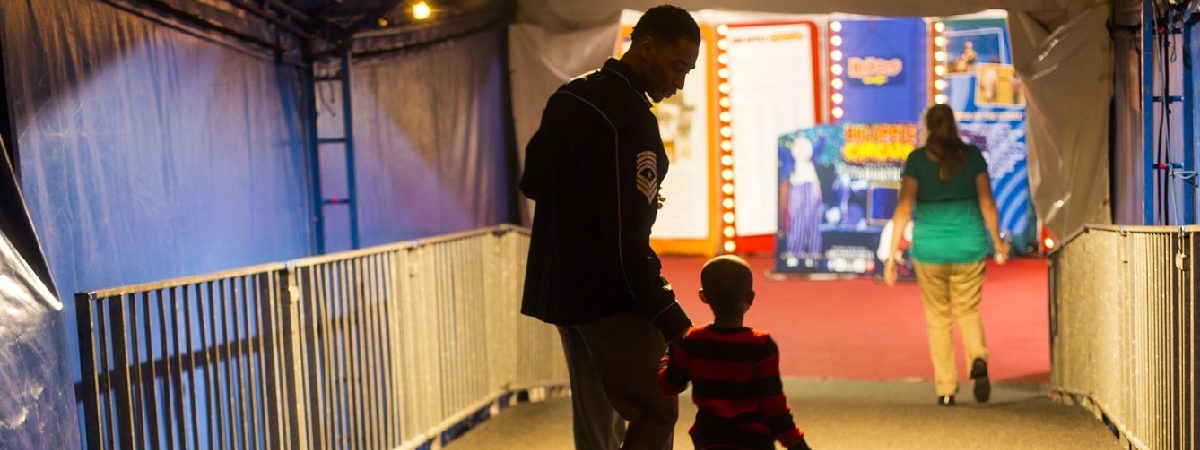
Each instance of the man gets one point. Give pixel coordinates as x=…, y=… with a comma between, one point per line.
x=594, y=168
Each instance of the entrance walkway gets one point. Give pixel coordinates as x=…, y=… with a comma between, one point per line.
x=858, y=415
x=856, y=367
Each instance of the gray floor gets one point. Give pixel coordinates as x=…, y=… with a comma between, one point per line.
x=853, y=415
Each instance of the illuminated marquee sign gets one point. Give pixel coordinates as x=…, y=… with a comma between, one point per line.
x=878, y=143
x=874, y=71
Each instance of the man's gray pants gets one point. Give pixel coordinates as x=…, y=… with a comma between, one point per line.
x=613, y=364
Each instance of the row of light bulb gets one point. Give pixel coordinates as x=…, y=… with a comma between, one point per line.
x=836, y=82
x=836, y=69
x=939, y=63
x=725, y=119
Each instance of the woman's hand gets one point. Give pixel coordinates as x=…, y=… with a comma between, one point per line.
x=889, y=271
x=1002, y=248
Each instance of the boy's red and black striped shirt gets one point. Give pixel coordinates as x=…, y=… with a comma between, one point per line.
x=735, y=377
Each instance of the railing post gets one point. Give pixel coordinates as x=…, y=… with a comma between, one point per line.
x=291, y=362
x=87, y=360
x=120, y=378
x=274, y=413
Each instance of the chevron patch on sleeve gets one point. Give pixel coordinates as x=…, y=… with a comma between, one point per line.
x=647, y=175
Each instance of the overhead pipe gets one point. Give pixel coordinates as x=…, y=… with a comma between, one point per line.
x=368, y=19
x=262, y=13
x=163, y=11
x=290, y=10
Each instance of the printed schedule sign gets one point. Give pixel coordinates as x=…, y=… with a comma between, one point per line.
x=773, y=91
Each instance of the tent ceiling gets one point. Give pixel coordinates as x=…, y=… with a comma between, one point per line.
x=319, y=26
x=346, y=13
x=562, y=15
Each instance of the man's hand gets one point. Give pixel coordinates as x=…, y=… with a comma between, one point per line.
x=672, y=322
x=802, y=445
x=661, y=200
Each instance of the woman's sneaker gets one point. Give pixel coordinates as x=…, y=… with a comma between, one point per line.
x=983, y=387
x=945, y=400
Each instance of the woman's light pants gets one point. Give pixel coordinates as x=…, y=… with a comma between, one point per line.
x=952, y=293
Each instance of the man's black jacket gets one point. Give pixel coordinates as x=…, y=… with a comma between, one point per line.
x=593, y=168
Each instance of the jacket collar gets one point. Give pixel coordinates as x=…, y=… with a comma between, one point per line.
x=627, y=74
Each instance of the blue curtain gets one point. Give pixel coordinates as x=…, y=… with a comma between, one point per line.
x=147, y=152
x=433, y=143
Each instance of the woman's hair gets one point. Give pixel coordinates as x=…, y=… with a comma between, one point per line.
x=942, y=139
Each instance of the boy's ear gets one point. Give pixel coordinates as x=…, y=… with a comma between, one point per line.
x=703, y=299
x=750, y=298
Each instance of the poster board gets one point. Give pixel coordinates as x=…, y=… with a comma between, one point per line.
x=839, y=183
x=989, y=104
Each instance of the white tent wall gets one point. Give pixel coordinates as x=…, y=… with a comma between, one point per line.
x=1062, y=51
x=541, y=59
x=1127, y=152
x=432, y=145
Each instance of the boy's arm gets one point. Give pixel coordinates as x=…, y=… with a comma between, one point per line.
x=673, y=376
x=773, y=404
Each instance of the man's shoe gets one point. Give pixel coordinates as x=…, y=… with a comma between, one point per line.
x=983, y=387
x=945, y=400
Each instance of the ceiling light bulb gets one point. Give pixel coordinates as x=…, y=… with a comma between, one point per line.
x=421, y=11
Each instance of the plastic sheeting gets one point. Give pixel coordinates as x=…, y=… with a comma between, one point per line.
x=1062, y=51
x=432, y=143
x=38, y=410
x=39, y=406
x=1065, y=60
x=149, y=153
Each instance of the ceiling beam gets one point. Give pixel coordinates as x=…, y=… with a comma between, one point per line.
x=368, y=18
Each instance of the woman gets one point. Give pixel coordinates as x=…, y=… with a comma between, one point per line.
x=946, y=184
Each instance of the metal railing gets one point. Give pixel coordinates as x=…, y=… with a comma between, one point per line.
x=1123, y=330
x=378, y=348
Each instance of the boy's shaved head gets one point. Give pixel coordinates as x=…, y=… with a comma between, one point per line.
x=726, y=280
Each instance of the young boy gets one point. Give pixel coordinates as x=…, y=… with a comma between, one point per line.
x=734, y=369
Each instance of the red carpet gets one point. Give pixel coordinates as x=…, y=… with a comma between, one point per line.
x=857, y=329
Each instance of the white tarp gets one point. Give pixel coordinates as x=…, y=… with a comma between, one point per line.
x=1061, y=49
